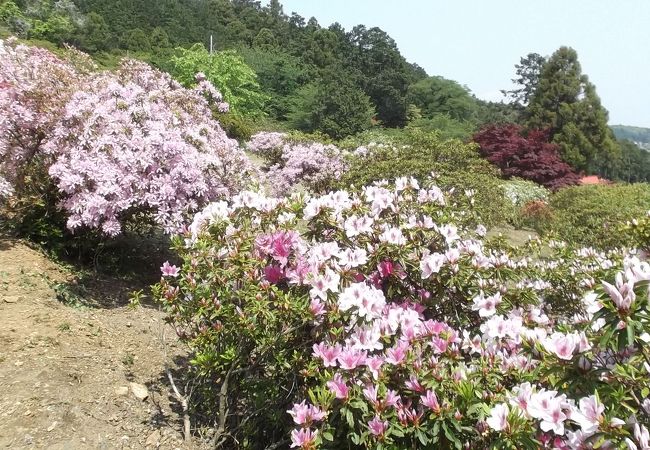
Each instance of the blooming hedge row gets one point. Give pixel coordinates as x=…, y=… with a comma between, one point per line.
x=376, y=322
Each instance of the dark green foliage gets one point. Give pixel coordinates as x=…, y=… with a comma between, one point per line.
x=285, y=51
x=437, y=95
x=279, y=74
x=589, y=215
x=634, y=164
x=95, y=35
x=566, y=102
x=337, y=108
x=528, y=73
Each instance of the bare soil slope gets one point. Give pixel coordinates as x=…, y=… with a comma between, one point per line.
x=65, y=371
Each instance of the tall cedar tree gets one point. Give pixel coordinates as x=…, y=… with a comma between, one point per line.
x=529, y=156
x=566, y=103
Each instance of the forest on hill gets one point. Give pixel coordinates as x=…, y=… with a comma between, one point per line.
x=294, y=73
x=638, y=135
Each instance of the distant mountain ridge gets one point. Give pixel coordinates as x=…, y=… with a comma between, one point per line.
x=639, y=135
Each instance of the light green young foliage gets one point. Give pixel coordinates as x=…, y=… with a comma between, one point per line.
x=227, y=71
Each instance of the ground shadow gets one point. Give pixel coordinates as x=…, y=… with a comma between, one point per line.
x=107, y=276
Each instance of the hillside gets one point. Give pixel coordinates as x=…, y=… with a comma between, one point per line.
x=639, y=135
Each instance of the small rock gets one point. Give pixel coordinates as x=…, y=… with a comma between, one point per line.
x=51, y=427
x=153, y=440
x=11, y=299
x=121, y=391
x=140, y=391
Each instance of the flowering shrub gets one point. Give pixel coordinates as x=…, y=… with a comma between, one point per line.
x=34, y=87
x=106, y=147
x=456, y=165
x=383, y=324
x=292, y=161
x=155, y=142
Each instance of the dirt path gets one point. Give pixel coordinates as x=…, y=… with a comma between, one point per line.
x=65, y=371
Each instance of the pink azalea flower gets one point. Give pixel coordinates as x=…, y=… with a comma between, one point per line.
x=374, y=364
x=562, y=345
x=498, y=419
x=590, y=414
x=385, y=268
x=397, y=354
x=431, y=264
x=316, y=307
x=430, y=400
x=273, y=274
x=350, y=359
x=304, y=414
x=303, y=438
x=327, y=353
x=377, y=426
x=413, y=384
x=338, y=387
x=392, y=398
x=169, y=270
x=370, y=392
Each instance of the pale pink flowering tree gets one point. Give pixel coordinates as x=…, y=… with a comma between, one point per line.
x=137, y=141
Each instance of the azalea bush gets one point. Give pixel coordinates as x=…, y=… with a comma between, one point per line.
x=35, y=86
x=529, y=200
x=100, y=150
x=378, y=321
x=455, y=164
x=293, y=160
x=521, y=192
x=591, y=214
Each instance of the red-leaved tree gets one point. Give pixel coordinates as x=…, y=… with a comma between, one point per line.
x=527, y=155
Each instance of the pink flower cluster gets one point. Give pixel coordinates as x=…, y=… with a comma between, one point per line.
x=34, y=88
x=423, y=308
x=116, y=144
x=291, y=163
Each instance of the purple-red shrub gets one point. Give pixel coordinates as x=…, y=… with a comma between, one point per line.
x=528, y=155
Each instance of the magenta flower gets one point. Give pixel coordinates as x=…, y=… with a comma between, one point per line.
x=385, y=268
x=273, y=274
x=168, y=270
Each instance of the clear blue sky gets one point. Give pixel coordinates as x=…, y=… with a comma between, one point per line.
x=478, y=42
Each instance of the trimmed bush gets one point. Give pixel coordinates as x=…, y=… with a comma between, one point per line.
x=590, y=214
